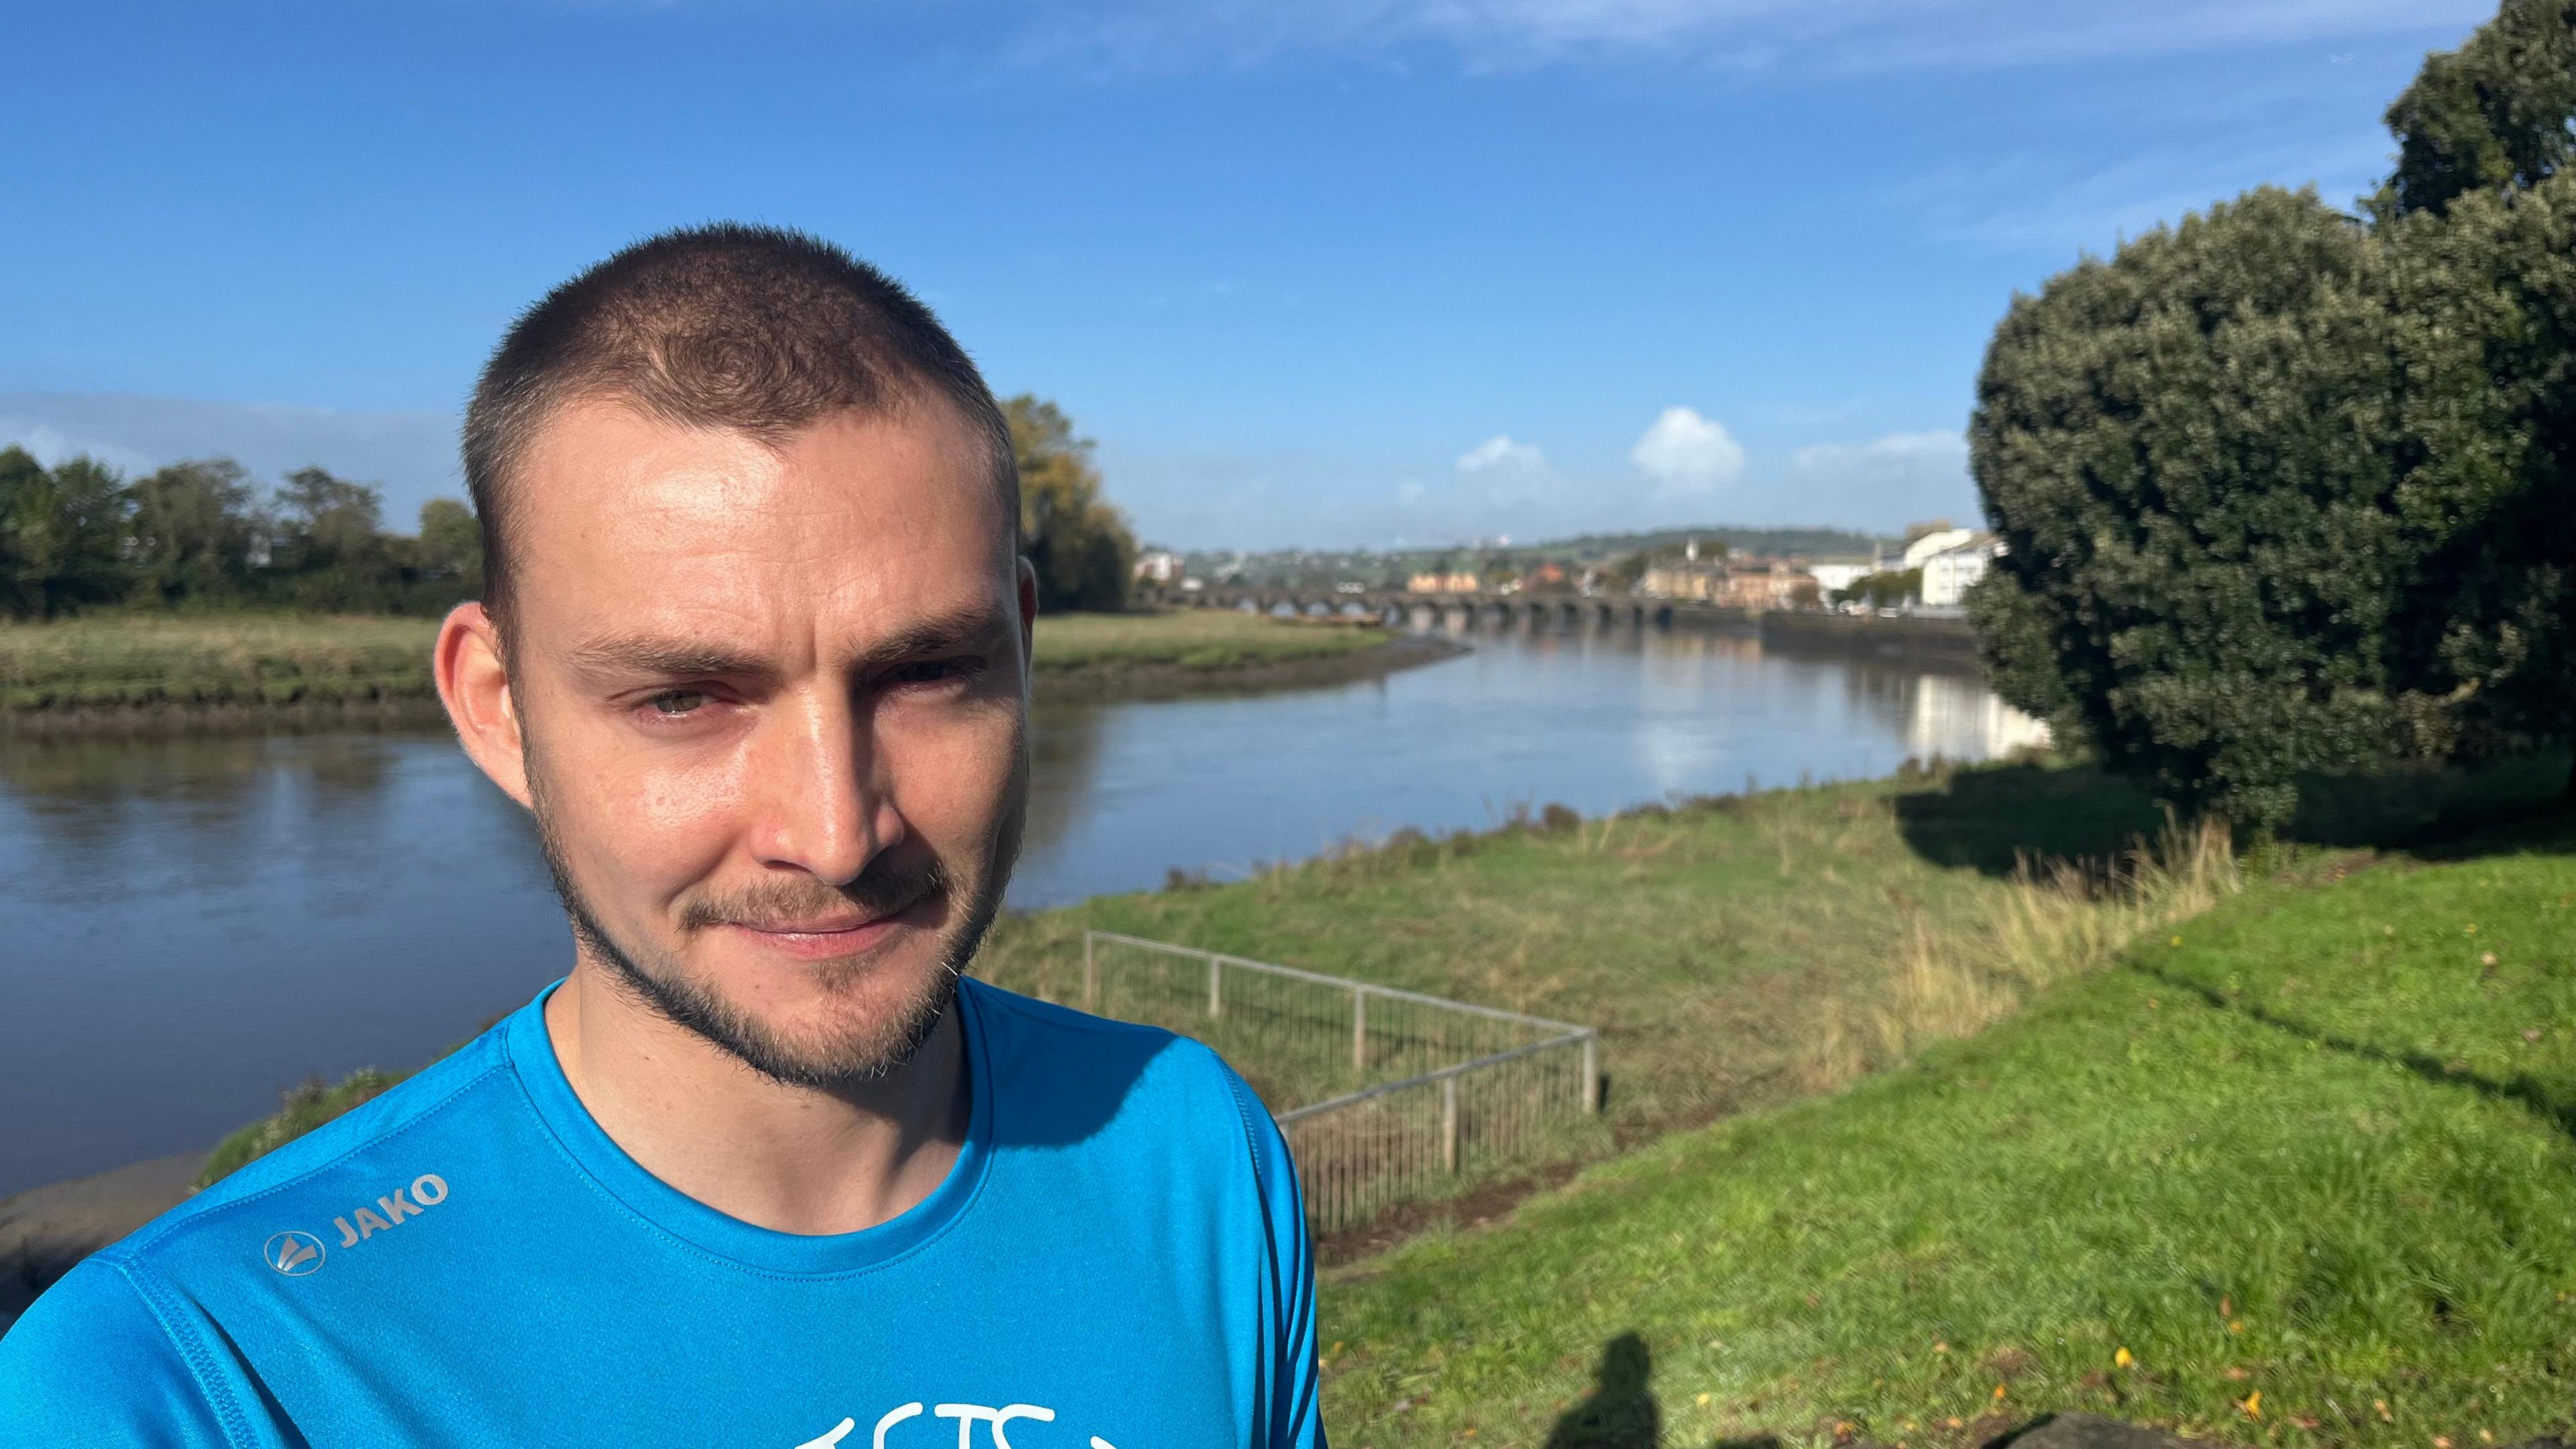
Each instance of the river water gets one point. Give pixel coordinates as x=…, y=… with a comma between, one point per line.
x=193, y=924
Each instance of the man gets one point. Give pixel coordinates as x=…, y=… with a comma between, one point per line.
x=764, y=1169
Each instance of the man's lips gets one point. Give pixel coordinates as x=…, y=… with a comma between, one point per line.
x=842, y=933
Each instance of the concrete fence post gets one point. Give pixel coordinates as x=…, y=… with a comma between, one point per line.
x=1216, y=986
x=1591, y=1073
x=1449, y=1124
x=1359, y=1029
x=1090, y=977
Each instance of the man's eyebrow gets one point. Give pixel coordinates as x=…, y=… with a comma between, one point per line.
x=669, y=657
x=681, y=658
x=972, y=625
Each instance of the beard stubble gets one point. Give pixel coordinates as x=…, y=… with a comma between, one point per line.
x=871, y=1049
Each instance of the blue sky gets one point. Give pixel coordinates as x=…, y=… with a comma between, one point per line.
x=1328, y=272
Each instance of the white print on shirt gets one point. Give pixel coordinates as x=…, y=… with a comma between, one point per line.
x=966, y=1415
x=427, y=1191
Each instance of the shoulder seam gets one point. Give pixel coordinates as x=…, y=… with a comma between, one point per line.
x=136, y=1249
x=1251, y=1131
x=191, y=1350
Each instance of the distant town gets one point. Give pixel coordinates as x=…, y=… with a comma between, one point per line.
x=1926, y=570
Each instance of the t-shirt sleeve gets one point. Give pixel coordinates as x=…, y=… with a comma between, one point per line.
x=1296, y=1417
x=89, y=1366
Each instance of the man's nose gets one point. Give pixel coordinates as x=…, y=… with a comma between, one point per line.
x=824, y=807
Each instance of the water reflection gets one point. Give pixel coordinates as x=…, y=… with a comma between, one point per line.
x=195, y=923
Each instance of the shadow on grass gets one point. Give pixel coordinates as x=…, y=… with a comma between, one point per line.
x=1990, y=818
x=2550, y=1103
x=1620, y=1412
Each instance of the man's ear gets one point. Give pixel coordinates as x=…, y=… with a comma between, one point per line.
x=474, y=683
x=1028, y=582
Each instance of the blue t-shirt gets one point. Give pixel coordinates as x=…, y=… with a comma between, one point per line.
x=1118, y=1260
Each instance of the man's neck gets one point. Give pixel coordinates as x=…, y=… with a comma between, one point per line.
x=794, y=1159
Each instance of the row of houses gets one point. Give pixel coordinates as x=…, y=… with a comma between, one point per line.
x=1946, y=559
x=1949, y=560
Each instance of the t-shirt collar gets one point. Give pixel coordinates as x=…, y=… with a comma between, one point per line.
x=598, y=1156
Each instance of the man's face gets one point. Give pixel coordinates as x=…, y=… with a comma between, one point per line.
x=774, y=705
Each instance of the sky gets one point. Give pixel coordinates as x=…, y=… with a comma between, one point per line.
x=1322, y=273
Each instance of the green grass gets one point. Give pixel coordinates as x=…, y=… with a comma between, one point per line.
x=1192, y=639
x=2313, y=1146
x=1733, y=952
x=123, y=660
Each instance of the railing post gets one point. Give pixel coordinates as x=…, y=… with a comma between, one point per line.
x=1090, y=977
x=1216, y=986
x=1449, y=1124
x=1359, y=1029
x=1591, y=1073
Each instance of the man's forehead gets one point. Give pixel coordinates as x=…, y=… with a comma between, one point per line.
x=859, y=508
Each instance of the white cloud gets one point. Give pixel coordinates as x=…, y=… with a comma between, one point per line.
x=1686, y=453
x=1902, y=475
x=1499, y=454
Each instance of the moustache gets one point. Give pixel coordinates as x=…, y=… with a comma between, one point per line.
x=885, y=887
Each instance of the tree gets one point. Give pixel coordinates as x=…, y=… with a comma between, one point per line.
x=192, y=527
x=61, y=534
x=2190, y=452
x=2484, y=651
x=329, y=547
x=451, y=544
x=2489, y=116
x=1077, y=542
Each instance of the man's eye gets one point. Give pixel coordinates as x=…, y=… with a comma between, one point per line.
x=929, y=671
x=677, y=701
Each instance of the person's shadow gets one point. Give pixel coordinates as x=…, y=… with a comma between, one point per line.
x=1620, y=1411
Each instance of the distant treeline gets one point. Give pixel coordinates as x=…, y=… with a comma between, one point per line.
x=197, y=535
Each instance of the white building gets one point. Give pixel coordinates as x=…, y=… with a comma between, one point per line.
x=1839, y=574
x=1158, y=566
x=1947, y=572
x=1920, y=549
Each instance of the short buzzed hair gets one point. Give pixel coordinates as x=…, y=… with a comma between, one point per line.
x=756, y=329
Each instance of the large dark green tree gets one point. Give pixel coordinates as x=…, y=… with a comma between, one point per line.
x=2187, y=452
x=2489, y=116
x=1077, y=542
x=2287, y=492
x=2483, y=644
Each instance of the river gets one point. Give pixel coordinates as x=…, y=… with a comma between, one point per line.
x=193, y=924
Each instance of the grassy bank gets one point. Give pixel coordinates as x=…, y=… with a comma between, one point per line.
x=123, y=661
x=1201, y=640
x=113, y=662
x=2295, y=1172
x=1734, y=952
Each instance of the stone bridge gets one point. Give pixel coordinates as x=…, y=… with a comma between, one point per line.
x=1470, y=609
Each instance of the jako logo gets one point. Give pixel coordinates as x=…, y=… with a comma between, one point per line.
x=293, y=1252
x=427, y=1191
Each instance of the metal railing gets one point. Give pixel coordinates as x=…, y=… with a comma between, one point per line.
x=1384, y=1095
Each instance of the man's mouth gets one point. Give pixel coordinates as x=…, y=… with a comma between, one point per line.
x=836, y=933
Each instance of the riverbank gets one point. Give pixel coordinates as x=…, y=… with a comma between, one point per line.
x=142, y=673
x=1737, y=952
x=1740, y=953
